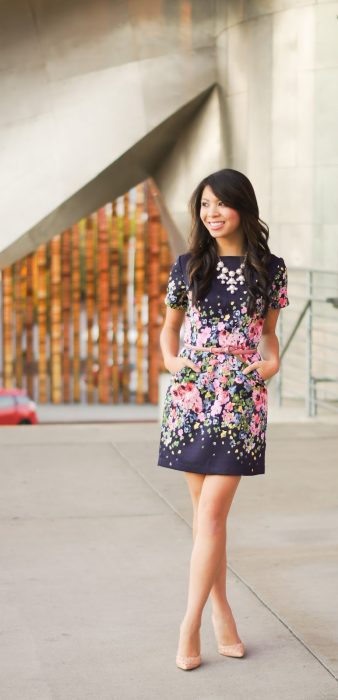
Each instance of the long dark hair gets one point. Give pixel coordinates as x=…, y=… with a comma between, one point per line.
x=235, y=190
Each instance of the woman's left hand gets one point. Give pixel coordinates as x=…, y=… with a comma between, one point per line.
x=265, y=368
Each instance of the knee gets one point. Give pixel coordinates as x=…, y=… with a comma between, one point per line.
x=195, y=495
x=210, y=518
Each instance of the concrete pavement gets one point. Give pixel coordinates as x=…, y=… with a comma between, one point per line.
x=95, y=545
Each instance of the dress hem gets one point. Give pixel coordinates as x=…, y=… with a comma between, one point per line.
x=223, y=473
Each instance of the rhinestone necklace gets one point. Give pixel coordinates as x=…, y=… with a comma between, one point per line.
x=231, y=277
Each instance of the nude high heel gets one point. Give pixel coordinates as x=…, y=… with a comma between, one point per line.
x=188, y=662
x=235, y=650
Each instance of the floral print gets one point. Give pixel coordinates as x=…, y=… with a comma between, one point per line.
x=214, y=420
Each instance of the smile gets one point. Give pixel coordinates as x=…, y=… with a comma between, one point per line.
x=216, y=224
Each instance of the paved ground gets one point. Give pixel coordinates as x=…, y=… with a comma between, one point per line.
x=94, y=554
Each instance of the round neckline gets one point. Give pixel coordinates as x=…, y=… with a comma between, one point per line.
x=231, y=256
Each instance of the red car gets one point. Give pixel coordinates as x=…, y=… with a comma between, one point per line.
x=16, y=408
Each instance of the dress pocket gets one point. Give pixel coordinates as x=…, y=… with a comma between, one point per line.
x=257, y=376
x=177, y=375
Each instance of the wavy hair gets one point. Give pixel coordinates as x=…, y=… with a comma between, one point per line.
x=235, y=190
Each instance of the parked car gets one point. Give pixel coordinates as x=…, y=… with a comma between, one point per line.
x=16, y=408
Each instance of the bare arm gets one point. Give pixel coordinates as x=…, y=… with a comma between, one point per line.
x=268, y=347
x=170, y=341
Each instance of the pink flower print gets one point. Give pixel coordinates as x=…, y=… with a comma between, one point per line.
x=205, y=379
x=255, y=425
x=224, y=378
x=203, y=335
x=189, y=396
x=220, y=326
x=176, y=391
x=226, y=338
x=222, y=395
x=236, y=337
x=201, y=416
x=216, y=408
x=187, y=329
x=213, y=362
x=239, y=379
x=257, y=399
x=282, y=298
x=232, y=362
x=228, y=416
x=255, y=329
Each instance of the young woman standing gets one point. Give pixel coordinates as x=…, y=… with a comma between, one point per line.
x=229, y=289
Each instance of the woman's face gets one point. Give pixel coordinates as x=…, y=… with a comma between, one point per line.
x=220, y=220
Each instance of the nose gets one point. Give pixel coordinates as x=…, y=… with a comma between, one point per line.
x=213, y=210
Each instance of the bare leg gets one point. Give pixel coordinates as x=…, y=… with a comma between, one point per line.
x=223, y=619
x=214, y=503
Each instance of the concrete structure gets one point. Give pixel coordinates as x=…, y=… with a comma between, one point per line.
x=98, y=95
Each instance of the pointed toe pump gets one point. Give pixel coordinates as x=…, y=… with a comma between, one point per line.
x=235, y=650
x=187, y=663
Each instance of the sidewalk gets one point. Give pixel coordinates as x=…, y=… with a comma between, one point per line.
x=96, y=540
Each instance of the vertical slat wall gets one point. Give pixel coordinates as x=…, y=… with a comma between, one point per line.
x=29, y=323
x=7, y=330
x=55, y=319
x=19, y=305
x=81, y=316
x=66, y=313
x=76, y=311
x=42, y=323
x=154, y=229
x=103, y=305
x=139, y=291
x=90, y=306
x=114, y=302
x=125, y=282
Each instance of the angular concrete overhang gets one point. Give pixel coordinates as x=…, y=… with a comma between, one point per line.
x=141, y=161
x=95, y=97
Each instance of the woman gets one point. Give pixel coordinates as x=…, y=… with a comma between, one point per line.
x=229, y=288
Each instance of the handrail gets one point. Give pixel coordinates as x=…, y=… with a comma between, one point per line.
x=311, y=329
x=294, y=330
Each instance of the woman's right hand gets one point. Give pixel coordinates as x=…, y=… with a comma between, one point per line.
x=174, y=364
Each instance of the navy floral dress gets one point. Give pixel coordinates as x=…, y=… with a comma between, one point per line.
x=214, y=421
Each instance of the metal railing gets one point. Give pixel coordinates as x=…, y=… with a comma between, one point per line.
x=308, y=336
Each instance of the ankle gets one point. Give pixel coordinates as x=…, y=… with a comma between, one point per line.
x=191, y=623
x=221, y=610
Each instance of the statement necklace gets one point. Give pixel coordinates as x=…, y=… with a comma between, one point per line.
x=231, y=277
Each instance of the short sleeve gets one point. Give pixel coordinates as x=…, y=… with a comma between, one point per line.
x=278, y=294
x=176, y=296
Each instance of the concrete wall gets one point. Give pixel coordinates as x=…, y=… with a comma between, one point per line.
x=96, y=96
x=278, y=72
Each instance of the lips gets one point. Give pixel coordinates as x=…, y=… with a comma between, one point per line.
x=216, y=224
